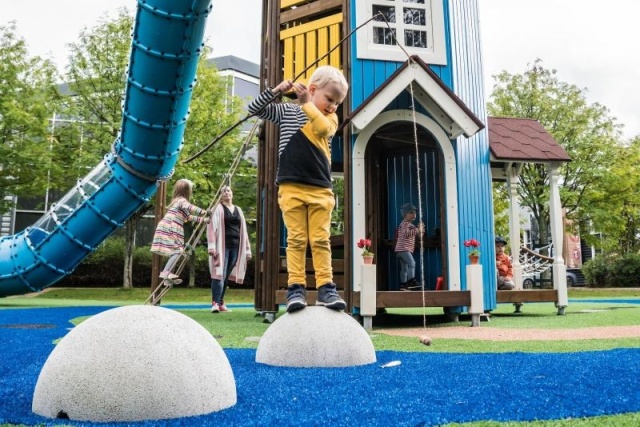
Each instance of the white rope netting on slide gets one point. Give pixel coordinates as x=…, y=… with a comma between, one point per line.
x=533, y=262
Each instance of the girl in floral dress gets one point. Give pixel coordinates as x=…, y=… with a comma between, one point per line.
x=168, y=239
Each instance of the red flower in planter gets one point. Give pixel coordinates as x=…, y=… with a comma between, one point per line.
x=473, y=243
x=365, y=245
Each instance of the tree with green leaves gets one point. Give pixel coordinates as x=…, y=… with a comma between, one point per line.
x=613, y=203
x=97, y=75
x=586, y=131
x=27, y=87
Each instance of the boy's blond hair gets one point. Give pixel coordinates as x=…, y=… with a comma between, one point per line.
x=326, y=74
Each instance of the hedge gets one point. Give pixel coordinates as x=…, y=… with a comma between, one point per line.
x=105, y=268
x=617, y=271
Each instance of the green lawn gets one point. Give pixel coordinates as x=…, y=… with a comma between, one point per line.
x=241, y=328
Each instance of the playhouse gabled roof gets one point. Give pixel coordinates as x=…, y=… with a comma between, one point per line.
x=429, y=91
x=523, y=140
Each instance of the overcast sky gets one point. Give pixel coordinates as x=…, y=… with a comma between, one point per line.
x=594, y=45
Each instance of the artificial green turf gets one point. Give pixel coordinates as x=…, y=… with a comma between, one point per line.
x=243, y=327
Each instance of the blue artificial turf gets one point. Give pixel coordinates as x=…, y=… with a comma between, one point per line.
x=426, y=389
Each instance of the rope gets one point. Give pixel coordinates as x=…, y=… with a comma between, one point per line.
x=418, y=181
x=166, y=284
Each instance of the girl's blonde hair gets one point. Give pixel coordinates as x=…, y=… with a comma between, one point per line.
x=182, y=188
x=326, y=74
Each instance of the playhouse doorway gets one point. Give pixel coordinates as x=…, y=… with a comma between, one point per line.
x=392, y=176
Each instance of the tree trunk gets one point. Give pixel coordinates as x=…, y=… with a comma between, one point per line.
x=192, y=270
x=129, y=246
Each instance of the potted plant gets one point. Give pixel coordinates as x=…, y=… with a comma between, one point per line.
x=367, y=254
x=474, y=254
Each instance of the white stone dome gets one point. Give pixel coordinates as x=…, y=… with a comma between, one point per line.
x=315, y=337
x=135, y=363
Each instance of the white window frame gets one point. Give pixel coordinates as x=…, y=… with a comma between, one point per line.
x=435, y=53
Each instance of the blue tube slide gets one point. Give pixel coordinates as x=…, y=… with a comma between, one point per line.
x=166, y=44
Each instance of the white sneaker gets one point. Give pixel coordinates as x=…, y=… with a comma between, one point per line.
x=224, y=309
x=215, y=308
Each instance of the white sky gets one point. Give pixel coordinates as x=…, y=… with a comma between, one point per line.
x=594, y=45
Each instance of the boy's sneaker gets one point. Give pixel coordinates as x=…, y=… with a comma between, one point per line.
x=414, y=285
x=296, y=298
x=329, y=297
x=224, y=308
x=215, y=308
x=403, y=286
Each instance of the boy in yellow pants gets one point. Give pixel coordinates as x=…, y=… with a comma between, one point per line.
x=305, y=194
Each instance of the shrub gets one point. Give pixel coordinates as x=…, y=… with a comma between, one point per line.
x=105, y=268
x=613, y=271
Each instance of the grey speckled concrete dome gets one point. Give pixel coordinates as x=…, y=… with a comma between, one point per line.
x=315, y=337
x=135, y=363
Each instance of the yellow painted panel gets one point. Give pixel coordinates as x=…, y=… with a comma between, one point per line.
x=299, y=61
x=287, y=51
x=311, y=52
x=311, y=26
x=323, y=45
x=304, y=44
x=334, y=39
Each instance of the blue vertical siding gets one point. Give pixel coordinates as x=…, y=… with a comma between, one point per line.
x=475, y=202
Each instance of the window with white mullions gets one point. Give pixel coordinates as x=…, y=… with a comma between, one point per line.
x=417, y=24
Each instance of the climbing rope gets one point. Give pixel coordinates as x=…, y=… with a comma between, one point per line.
x=418, y=178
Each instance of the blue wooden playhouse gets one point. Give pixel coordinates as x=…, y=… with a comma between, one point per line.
x=413, y=130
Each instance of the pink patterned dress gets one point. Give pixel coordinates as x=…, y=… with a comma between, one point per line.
x=169, y=236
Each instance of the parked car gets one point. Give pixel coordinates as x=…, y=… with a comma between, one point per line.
x=574, y=278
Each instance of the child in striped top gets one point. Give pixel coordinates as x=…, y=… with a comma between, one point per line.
x=406, y=242
x=168, y=239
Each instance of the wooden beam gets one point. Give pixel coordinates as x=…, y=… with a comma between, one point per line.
x=400, y=299
x=535, y=295
x=309, y=10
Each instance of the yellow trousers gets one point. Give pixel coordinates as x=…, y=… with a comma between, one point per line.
x=306, y=211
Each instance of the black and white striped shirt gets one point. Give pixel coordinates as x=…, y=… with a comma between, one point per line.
x=304, y=147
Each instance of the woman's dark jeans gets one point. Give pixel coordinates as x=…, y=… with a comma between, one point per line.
x=219, y=287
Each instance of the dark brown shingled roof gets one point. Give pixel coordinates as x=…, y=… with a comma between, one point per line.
x=523, y=139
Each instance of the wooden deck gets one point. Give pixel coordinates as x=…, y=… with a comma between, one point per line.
x=398, y=299
x=402, y=299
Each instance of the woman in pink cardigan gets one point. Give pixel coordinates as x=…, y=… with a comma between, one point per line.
x=229, y=248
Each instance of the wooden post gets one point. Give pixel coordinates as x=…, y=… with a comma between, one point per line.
x=156, y=260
